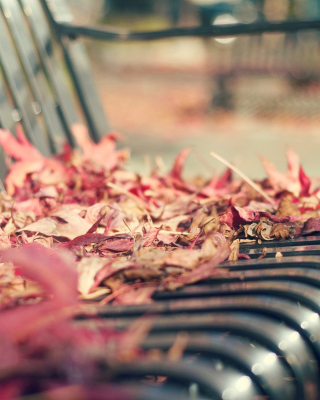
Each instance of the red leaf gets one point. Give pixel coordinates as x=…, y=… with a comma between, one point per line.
x=224, y=179
x=86, y=239
x=237, y=216
x=312, y=225
x=241, y=216
x=95, y=225
x=118, y=244
x=150, y=237
x=218, y=186
x=305, y=183
x=176, y=171
x=52, y=270
x=246, y=256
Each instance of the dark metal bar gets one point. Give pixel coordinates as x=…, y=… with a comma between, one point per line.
x=31, y=68
x=122, y=35
x=16, y=83
x=40, y=34
x=79, y=70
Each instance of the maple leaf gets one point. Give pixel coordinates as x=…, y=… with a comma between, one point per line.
x=56, y=274
x=19, y=148
x=218, y=186
x=176, y=171
x=103, y=153
x=294, y=180
x=29, y=160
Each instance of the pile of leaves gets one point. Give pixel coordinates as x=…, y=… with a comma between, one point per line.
x=132, y=235
x=78, y=226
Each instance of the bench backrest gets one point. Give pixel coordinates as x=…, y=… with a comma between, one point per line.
x=44, y=84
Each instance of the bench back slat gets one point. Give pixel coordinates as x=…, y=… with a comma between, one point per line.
x=49, y=82
x=53, y=69
x=6, y=107
x=80, y=71
x=22, y=96
x=6, y=122
x=33, y=71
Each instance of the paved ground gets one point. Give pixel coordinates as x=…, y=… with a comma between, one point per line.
x=161, y=113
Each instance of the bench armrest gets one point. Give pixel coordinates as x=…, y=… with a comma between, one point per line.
x=123, y=35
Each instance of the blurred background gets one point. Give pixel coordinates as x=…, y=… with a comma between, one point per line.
x=240, y=97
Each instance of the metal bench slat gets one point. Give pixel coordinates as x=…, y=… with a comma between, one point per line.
x=34, y=72
x=267, y=331
x=53, y=70
x=80, y=71
x=276, y=379
x=211, y=380
x=19, y=89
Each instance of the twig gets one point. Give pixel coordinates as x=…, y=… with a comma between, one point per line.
x=165, y=232
x=243, y=176
x=125, y=222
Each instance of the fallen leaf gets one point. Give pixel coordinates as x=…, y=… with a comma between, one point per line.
x=87, y=269
x=311, y=225
x=60, y=224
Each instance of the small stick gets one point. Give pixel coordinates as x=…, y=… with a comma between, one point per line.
x=125, y=222
x=243, y=176
x=163, y=231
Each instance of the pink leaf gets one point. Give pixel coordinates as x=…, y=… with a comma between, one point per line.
x=32, y=204
x=288, y=181
x=19, y=148
x=54, y=271
x=218, y=186
x=104, y=153
x=18, y=173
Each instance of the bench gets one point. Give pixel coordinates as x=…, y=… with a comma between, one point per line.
x=252, y=334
